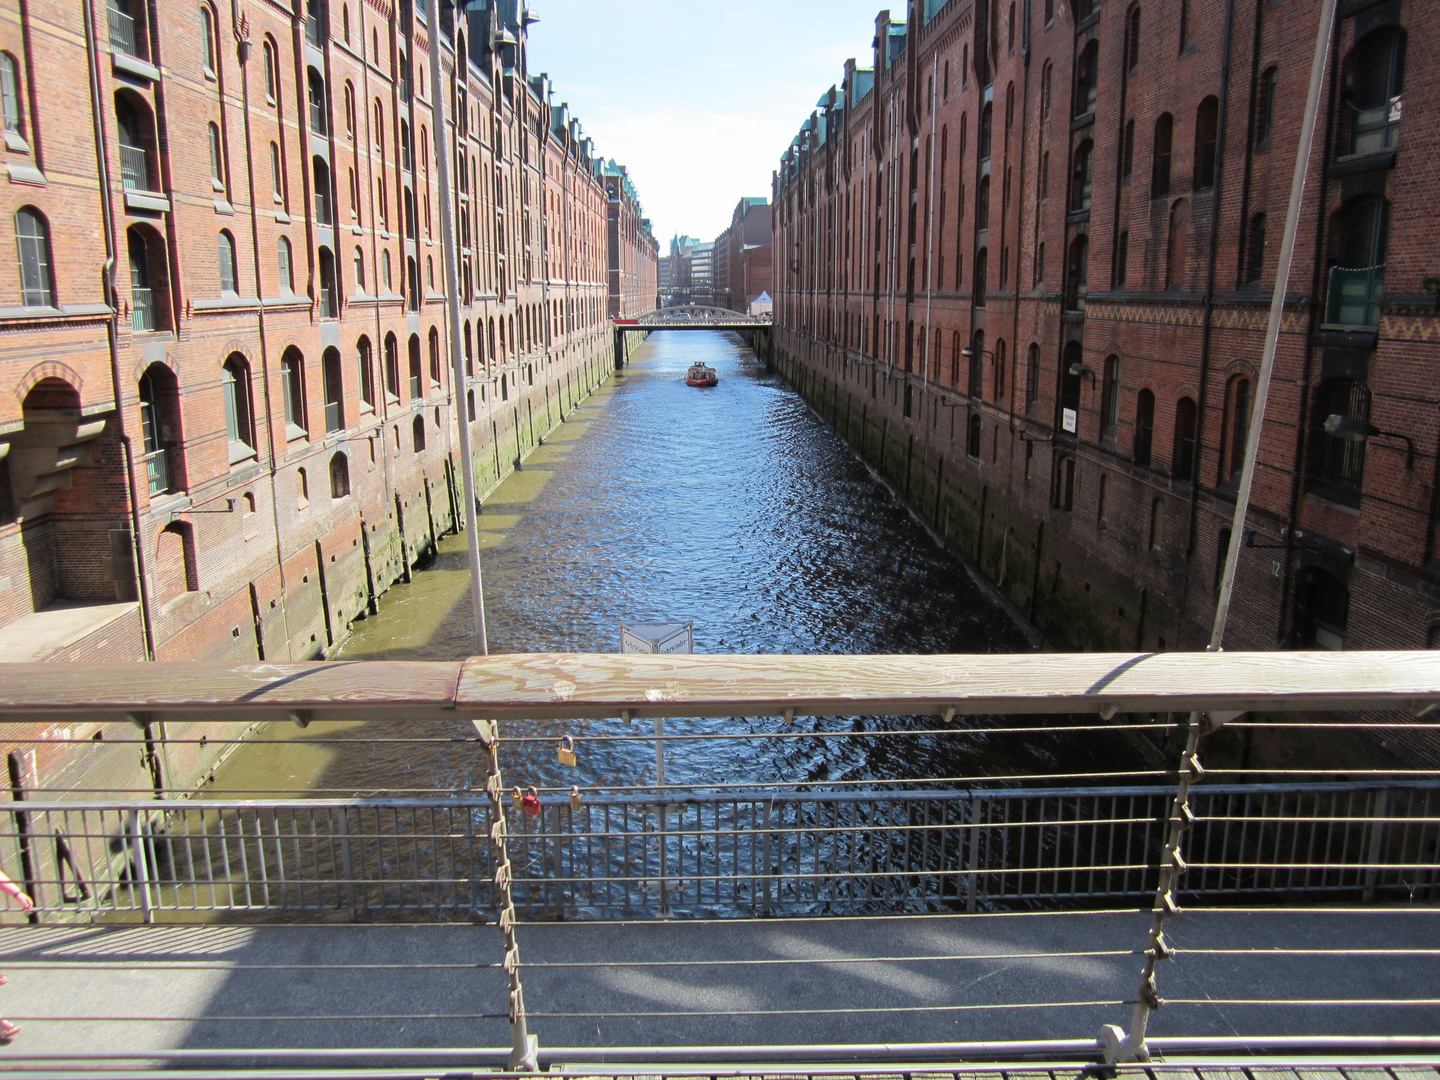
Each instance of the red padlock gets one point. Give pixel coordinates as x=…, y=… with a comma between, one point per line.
x=531, y=802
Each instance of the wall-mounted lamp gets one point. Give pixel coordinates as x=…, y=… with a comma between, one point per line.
x=1080, y=369
x=1349, y=429
x=1025, y=436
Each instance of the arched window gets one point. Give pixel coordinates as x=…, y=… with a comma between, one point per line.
x=134, y=131
x=1076, y=274
x=175, y=571
x=387, y=279
x=225, y=254
x=366, y=363
x=272, y=72
x=1265, y=106
x=1132, y=40
x=417, y=433
x=1122, y=260
x=349, y=108
x=1206, y=121
x=217, y=157
x=315, y=84
x=1160, y=168
x=285, y=260
x=1322, y=610
x=986, y=125
x=334, y=389
x=1127, y=150
x=359, y=264
x=434, y=356
x=977, y=288
x=12, y=101
x=1237, y=428
x=37, y=281
x=239, y=416
x=1000, y=370
x=982, y=204
x=329, y=287
x=1087, y=79
x=345, y=27
x=1144, y=426
x=292, y=382
x=1081, y=182
x=207, y=40
x=392, y=369
x=339, y=476
x=417, y=384
x=1255, y=249
x=1047, y=82
x=1375, y=101
x=1110, y=398
x=1182, y=453
x=1337, y=458
x=972, y=436
x=160, y=430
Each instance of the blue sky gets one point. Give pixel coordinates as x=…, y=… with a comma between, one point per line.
x=699, y=98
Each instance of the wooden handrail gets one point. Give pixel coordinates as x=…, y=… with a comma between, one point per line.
x=597, y=685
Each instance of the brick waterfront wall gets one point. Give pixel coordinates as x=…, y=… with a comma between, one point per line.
x=1085, y=462
x=228, y=393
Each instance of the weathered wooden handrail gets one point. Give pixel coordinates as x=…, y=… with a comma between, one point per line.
x=594, y=685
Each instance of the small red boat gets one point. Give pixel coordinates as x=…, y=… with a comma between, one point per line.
x=700, y=375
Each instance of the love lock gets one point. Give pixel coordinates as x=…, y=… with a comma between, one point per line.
x=531, y=802
x=574, y=798
x=517, y=795
x=566, y=753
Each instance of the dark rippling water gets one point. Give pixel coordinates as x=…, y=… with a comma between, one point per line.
x=735, y=507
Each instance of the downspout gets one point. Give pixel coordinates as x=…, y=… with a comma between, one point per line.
x=102, y=165
x=1207, y=323
x=930, y=229
x=241, y=31
x=1020, y=213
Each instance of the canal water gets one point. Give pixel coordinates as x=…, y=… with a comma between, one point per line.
x=734, y=507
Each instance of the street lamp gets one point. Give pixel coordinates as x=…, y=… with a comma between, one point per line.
x=1350, y=429
x=1078, y=369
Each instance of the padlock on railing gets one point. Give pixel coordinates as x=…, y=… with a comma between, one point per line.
x=574, y=798
x=566, y=753
x=531, y=802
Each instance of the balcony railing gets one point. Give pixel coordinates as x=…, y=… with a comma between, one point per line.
x=134, y=167
x=142, y=309
x=157, y=471
x=1355, y=295
x=334, y=416
x=122, y=32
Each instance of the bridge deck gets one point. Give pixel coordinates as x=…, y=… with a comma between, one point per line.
x=953, y=978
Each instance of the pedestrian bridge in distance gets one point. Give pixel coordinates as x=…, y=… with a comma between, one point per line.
x=755, y=331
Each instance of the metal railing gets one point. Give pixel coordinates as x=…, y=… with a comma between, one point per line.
x=1355, y=295
x=157, y=471
x=122, y=32
x=134, y=167
x=142, y=309
x=782, y=852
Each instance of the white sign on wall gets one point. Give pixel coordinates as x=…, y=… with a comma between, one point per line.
x=1068, y=420
x=657, y=637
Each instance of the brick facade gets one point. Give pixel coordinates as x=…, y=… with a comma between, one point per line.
x=224, y=337
x=1025, y=267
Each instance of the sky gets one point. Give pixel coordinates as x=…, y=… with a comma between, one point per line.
x=697, y=98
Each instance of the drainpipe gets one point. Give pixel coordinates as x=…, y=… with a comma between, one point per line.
x=102, y=164
x=930, y=232
x=1207, y=324
x=1020, y=213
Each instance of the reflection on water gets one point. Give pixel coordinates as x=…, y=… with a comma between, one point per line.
x=732, y=506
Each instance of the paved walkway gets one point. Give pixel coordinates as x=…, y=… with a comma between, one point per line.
x=137, y=990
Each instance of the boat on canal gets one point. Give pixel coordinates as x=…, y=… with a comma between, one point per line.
x=701, y=375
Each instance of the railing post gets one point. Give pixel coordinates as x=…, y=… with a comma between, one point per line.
x=1377, y=841
x=1118, y=1046
x=141, y=865
x=525, y=1048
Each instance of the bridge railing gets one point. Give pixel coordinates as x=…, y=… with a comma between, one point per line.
x=925, y=841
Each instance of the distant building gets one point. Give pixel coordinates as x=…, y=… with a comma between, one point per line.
x=685, y=253
x=743, y=261
x=632, y=250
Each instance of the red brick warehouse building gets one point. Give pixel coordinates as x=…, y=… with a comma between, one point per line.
x=1024, y=264
x=228, y=423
